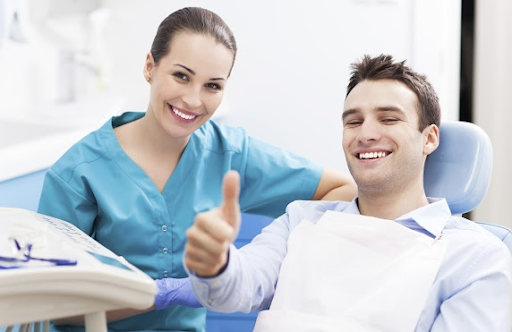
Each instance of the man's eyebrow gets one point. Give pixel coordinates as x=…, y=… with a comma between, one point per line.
x=348, y=112
x=193, y=73
x=383, y=109
x=392, y=109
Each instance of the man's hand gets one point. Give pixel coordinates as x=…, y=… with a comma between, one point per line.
x=206, y=251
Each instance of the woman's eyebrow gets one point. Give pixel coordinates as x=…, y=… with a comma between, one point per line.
x=186, y=68
x=194, y=73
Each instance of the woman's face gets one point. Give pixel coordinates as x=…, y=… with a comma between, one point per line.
x=188, y=83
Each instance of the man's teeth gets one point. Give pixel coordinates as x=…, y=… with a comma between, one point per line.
x=182, y=115
x=372, y=155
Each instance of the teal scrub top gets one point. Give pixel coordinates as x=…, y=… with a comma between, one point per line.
x=98, y=188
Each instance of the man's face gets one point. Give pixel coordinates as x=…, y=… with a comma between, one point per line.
x=383, y=146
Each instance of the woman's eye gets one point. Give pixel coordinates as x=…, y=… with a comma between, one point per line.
x=180, y=76
x=213, y=86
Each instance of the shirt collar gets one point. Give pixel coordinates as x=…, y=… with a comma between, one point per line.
x=432, y=218
x=352, y=207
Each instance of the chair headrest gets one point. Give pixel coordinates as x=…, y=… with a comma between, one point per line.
x=460, y=168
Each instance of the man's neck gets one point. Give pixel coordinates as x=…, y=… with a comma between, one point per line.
x=390, y=206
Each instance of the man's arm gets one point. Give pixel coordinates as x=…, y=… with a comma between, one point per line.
x=226, y=279
x=335, y=186
x=485, y=302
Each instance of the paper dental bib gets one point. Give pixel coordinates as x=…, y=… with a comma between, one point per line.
x=353, y=273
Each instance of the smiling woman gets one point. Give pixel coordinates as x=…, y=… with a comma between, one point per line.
x=145, y=175
x=186, y=90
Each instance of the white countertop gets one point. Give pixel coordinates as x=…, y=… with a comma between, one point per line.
x=30, y=144
x=27, y=148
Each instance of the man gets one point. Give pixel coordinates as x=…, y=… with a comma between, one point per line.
x=390, y=260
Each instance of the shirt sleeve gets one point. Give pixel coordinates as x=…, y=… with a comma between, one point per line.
x=60, y=200
x=273, y=177
x=248, y=282
x=484, y=301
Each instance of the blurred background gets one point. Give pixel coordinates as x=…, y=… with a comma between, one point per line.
x=66, y=66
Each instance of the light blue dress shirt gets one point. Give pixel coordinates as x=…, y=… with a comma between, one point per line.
x=472, y=291
x=98, y=188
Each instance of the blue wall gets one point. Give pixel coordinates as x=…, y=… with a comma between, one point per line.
x=22, y=192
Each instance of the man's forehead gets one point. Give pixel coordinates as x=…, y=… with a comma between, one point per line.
x=380, y=96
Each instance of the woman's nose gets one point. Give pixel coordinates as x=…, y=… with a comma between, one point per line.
x=192, y=97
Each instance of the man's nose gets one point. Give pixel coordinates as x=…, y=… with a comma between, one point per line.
x=369, y=131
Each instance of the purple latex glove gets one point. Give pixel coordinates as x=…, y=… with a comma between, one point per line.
x=175, y=292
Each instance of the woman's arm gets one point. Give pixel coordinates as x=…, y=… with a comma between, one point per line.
x=335, y=186
x=112, y=316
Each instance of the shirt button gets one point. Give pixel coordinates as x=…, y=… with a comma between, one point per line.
x=164, y=228
x=165, y=250
x=165, y=273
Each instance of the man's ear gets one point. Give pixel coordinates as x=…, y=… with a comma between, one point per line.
x=148, y=67
x=431, y=134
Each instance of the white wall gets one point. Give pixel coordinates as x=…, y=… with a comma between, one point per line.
x=288, y=83
x=492, y=90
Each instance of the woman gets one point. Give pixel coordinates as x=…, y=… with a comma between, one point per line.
x=137, y=183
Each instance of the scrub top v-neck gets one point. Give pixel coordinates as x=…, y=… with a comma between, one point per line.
x=97, y=187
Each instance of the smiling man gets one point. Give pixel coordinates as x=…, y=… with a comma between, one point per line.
x=392, y=260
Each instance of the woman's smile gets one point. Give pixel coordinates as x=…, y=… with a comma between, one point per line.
x=181, y=114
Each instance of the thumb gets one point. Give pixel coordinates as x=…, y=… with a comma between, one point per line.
x=230, y=209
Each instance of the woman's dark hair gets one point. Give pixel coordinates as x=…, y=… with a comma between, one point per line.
x=196, y=20
x=385, y=67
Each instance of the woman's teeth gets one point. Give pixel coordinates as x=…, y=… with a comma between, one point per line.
x=372, y=155
x=182, y=115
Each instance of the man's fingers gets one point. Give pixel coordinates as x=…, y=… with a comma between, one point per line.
x=209, y=232
x=230, y=208
x=207, y=243
x=213, y=231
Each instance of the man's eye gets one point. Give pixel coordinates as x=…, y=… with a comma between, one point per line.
x=180, y=76
x=389, y=120
x=353, y=123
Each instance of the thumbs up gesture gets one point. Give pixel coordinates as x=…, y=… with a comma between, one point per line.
x=208, y=240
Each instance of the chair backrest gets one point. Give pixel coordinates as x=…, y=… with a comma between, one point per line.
x=460, y=170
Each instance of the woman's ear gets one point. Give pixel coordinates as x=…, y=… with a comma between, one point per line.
x=148, y=67
x=431, y=134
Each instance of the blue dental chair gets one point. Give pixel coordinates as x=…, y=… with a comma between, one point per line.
x=460, y=170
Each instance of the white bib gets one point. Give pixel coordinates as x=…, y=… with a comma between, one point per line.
x=353, y=273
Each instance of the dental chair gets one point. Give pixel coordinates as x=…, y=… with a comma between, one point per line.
x=459, y=170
